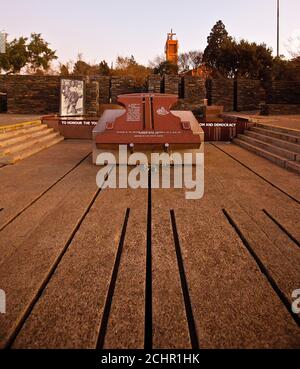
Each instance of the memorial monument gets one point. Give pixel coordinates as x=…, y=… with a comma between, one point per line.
x=147, y=125
x=171, y=49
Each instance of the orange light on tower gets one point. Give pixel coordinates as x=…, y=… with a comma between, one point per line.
x=171, y=49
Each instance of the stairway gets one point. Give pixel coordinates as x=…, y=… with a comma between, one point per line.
x=280, y=145
x=23, y=140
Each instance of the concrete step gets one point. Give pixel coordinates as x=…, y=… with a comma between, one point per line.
x=274, y=141
x=21, y=137
x=260, y=152
x=283, y=130
x=13, y=158
x=6, y=135
x=13, y=127
x=293, y=166
x=270, y=148
x=278, y=135
x=26, y=143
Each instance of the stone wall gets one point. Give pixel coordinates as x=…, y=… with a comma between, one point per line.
x=122, y=85
x=194, y=89
x=155, y=83
x=172, y=85
x=221, y=92
x=284, y=92
x=3, y=100
x=40, y=94
x=3, y=80
x=104, y=88
x=249, y=94
x=33, y=94
x=92, y=98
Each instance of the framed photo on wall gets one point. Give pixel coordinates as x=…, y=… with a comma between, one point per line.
x=71, y=97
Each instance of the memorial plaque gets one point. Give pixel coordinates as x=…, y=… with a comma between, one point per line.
x=148, y=125
x=71, y=98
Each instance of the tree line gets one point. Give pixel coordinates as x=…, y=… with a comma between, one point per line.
x=223, y=57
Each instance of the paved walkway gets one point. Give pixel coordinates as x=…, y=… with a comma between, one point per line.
x=86, y=268
x=285, y=121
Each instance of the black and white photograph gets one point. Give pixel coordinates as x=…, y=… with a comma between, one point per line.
x=71, y=97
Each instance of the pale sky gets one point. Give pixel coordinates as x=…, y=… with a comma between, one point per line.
x=105, y=29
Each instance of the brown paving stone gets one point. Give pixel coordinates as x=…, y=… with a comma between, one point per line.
x=233, y=303
x=285, y=271
x=21, y=183
x=70, y=311
x=170, y=328
x=253, y=192
x=278, y=252
x=231, y=299
x=33, y=242
x=127, y=317
x=287, y=181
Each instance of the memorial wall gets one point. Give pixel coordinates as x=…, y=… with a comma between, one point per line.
x=40, y=94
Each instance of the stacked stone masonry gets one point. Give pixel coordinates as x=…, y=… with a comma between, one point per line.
x=221, y=92
x=104, y=88
x=40, y=94
x=249, y=94
x=92, y=98
x=122, y=85
x=32, y=94
x=194, y=89
x=172, y=85
x=284, y=92
x=155, y=83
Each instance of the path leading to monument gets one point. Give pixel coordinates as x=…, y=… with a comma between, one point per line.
x=84, y=267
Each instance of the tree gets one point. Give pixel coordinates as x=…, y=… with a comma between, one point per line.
x=128, y=66
x=294, y=45
x=232, y=59
x=81, y=68
x=104, y=69
x=34, y=54
x=183, y=62
x=157, y=61
x=196, y=58
x=40, y=55
x=215, y=40
x=190, y=60
x=244, y=60
x=286, y=70
x=166, y=67
x=64, y=70
x=124, y=63
x=16, y=56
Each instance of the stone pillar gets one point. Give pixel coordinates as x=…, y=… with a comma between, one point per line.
x=194, y=89
x=154, y=83
x=92, y=98
x=171, y=84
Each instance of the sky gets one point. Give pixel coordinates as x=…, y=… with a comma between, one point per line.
x=107, y=29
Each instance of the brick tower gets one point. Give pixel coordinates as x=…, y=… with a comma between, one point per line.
x=171, y=49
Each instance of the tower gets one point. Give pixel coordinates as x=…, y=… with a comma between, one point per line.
x=171, y=49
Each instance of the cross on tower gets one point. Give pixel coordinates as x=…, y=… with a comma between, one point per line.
x=170, y=35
